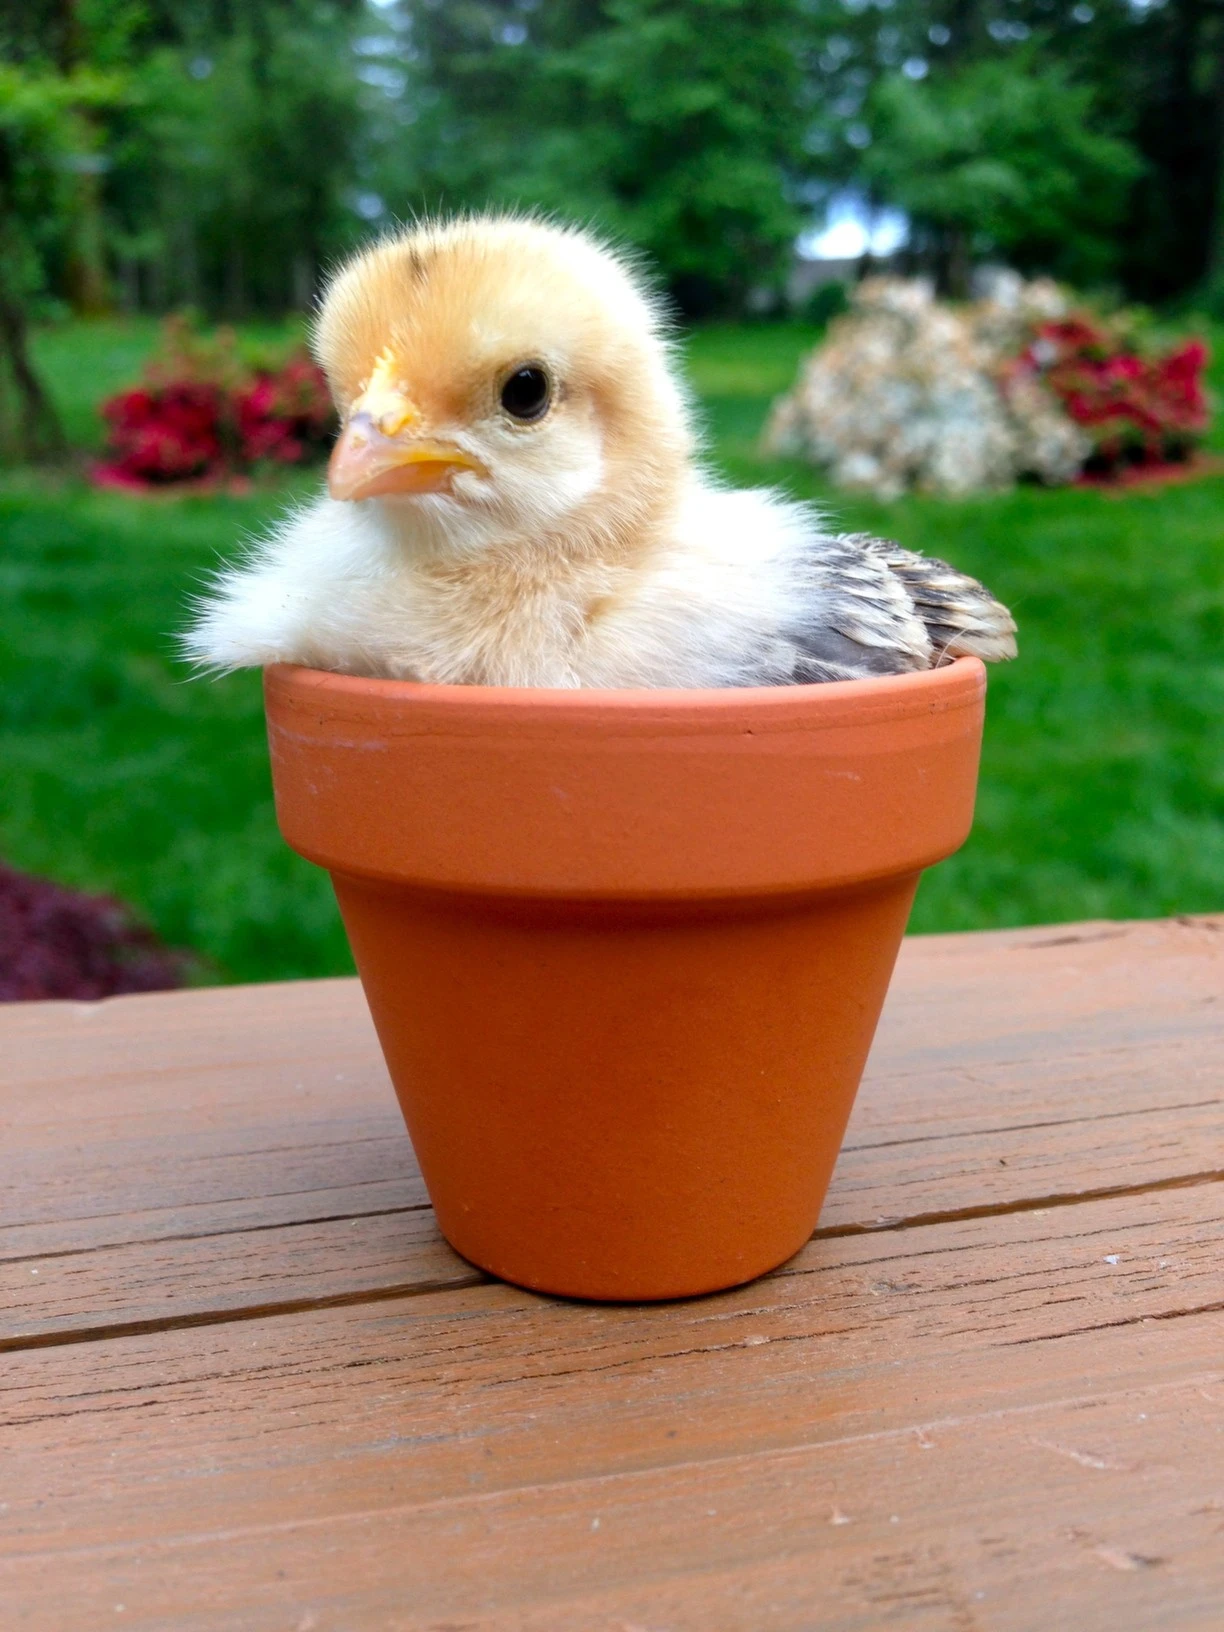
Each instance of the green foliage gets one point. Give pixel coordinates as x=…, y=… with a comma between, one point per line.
x=253, y=139
x=1159, y=74
x=202, y=152
x=48, y=168
x=67, y=34
x=1156, y=72
x=695, y=160
x=670, y=123
x=49, y=123
x=1006, y=154
x=827, y=301
x=229, y=189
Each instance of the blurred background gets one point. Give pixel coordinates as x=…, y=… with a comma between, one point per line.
x=945, y=215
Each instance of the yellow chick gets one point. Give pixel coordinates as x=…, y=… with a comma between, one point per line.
x=516, y=499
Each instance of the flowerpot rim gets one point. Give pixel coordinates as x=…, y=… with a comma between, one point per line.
x=960, y=683
x=752, y=794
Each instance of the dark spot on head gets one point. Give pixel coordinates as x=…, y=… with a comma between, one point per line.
x=417, y=268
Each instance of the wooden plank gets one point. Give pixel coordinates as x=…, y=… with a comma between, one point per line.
x=1091, y=1514
x=190, y=1280
x=329, y=1411
x=1034, y=1505
x=185, y=1113
x=1014, y=992
x=276, y=1171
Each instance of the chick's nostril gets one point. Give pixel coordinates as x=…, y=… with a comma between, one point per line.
x=395, y=420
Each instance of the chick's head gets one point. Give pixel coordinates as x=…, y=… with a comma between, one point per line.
x=501, y=376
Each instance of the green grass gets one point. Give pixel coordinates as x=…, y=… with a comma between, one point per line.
x=1103, y=776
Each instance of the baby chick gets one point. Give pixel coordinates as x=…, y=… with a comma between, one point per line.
x=515, y=500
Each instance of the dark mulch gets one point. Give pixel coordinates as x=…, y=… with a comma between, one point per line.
x=1152, y=477
x=56, y=942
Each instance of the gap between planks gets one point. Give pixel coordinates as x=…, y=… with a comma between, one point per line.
x=849, y=1148
x=467, y=1276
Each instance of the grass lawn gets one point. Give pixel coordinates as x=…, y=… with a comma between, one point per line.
x=1103, y=778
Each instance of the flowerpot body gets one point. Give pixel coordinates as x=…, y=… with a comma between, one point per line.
x=626, y=951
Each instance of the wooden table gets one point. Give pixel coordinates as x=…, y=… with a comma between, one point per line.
x=246, y=1385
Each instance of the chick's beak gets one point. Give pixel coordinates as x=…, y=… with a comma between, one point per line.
x=381, y=450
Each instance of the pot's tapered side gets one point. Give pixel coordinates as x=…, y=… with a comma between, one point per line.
x=626, y=1107
x=626, y=952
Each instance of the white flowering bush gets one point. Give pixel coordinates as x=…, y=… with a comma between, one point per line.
x=908, y=392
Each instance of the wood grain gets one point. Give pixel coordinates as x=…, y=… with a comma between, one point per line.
x=1088, y=1514
x=282, y=1121
x=332, y=1463
x=431, y=1383
x=247, y=1386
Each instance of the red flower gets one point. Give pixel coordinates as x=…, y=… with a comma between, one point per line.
x=1186, y=363
x=285, y=416
x=165, y=436
x=129, y=408
x=199, y=415
x=1123, y=368
x=1136, y=408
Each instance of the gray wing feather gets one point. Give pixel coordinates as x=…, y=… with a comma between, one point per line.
x=961, y=615
x=875, y=608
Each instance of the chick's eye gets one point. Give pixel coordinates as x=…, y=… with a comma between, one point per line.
x=526, y=393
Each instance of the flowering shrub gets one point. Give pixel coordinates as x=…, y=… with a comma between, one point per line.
x=905, y=394
x=167, y=434
x=202, y=412
x=911, y=392
x=1135, y=409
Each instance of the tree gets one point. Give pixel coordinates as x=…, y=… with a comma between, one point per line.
x=1173, y=76
x=43, y=115
x=1156, y=72
x=698, y=109
x=672, y=123
x=1001, y=158
x=221, y=175
x=229, y=190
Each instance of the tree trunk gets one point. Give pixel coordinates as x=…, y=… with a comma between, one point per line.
x=953, y=262
x=35, y=431
x=1215, y=267
x=302, y=280
x=960, y=263
x=235, y=280
x=88, y=286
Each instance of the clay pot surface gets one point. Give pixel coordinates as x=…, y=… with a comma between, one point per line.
x=626, y=951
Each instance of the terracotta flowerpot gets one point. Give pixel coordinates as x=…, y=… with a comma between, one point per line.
x=626, y=951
